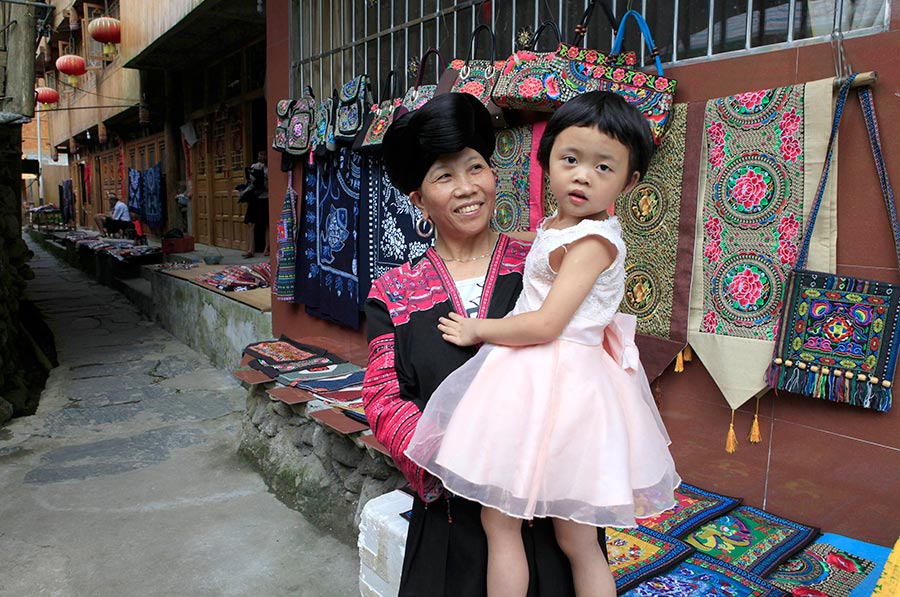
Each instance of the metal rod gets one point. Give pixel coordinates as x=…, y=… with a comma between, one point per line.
x=792, y=7
x=675, y=33
x=25, y=3
x=749, y=30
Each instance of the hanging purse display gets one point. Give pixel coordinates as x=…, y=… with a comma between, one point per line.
x=323, y=132
x=353, y=102
x=418, y=95
x=282, y=122
x=475, y=77
x=527, y=80
x=837, y=338
x=653, y=95
x=379, y=118
x=302, y=116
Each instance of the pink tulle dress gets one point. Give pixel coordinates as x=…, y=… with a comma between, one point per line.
x=567, y=429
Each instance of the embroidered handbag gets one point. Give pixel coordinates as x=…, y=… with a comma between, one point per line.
x=323, y=140
x=837, y=338
x=300, y=124
x=475, y=77
x=652, y=95
x=282, y=122
x=527, y=80
x=418, y=95
x=353, y=102
x=379, y=118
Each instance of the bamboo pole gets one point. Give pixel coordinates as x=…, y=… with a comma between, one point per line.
x=866, y=78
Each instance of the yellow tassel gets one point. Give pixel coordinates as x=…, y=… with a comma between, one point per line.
x=688, y=354
x=679, y=363
x=731, y=441
x=754, y=428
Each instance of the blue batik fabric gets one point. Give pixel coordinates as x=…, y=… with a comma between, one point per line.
x=388, y=237
x=153, y=198
x=135, y=198
x=328, y=280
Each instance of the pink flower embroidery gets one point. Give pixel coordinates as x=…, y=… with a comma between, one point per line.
x=639, y=79
x=552, y=86
x=807, y=592
x=618, y=74
x=572, y=52
x=530, y=87
x=713, y=251
x=661, y=84
x=591, y=56
x=790, y=149
x=710, y=321
x=790, y=121
x=746, y=287
x=787, y=253
x=788, y=227
x=749, y=190
x=475, y=88
x=713, y=227
x=841, y=562
x=457, y=64
x=751, y=99
x=599, y=71
x=716, y=132
x=716, y=156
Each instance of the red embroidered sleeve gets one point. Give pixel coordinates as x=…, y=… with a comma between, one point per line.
x=393, y=419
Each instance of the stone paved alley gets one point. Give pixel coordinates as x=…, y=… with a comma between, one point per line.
x=127, y=480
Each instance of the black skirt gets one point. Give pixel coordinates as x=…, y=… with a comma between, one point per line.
x=257, y=211
x=448, y=559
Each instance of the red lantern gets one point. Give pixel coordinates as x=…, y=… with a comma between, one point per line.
x=72, y=66
x=46, y=95
x=107, y=31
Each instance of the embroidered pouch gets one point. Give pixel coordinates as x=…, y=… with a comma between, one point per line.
x=323, y=140
x=653, y=95
x=282, y=122
x=379, y=118
x=475, y=77
x=353, y=102
x=300, y=125
x=418, y=95
x=837, y=338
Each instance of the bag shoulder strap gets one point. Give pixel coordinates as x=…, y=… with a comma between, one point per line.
x=645, y=31
x=473, y=43
x=550, y=25
x=387, y=91
x=581, y=27
x=823, y=180
x=867, y=102
x=429, y=52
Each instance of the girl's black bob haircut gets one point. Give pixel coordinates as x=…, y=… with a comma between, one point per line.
x=611, y=115
x=448, y=123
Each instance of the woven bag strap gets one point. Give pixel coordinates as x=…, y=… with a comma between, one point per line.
x=868, y=107
x=645, y=31
x=823, y=180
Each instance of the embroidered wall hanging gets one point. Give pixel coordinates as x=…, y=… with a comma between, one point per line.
x=658, y=219
x=519, y=204
x=639, y=553
x=388, y=219
x=286, y=254
x=153, y=197
x=328, y=280
x=693, y=507
x=135, y=192
x=763, y=152
x=752, y=539
x=703, y=576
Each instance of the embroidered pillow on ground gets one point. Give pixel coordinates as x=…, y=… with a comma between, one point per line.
x=283, y=350
x=637, y=554
x=693, y=507
x=703, y=576
x=318, y=372
x=752, y=539
x=835, y=566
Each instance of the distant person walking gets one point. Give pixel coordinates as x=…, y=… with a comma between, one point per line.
x=257, y=216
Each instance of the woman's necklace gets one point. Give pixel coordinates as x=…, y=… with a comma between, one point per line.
x=468, y=259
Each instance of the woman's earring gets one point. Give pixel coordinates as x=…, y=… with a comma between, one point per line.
x=424, y=227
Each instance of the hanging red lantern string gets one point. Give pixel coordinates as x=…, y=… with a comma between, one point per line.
x=46, y=96
x=107, y=31
x=72, y=66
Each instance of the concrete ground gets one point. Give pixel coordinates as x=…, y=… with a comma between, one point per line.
x=127, y=480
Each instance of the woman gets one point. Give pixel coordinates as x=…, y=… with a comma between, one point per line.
x=257, y=216
x=439, y=156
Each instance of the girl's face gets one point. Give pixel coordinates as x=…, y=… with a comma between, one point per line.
x=588, y=170
x=458, y=195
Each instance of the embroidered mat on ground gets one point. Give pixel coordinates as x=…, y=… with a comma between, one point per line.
x=658, y=218
x=762, y=157
x=832, y=566
x=751, y=539
x=889, y=582
x=639, y=553
x=693, y=507
x=702, y=576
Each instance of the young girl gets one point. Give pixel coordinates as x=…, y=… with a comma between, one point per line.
x=554, y=417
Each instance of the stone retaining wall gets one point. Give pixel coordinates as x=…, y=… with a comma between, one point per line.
x=324, y=474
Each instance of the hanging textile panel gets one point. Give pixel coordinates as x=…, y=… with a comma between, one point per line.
x=763, y=153
x=389, y=239
x=658, y=217
x=153, y=197
x=135, y=197
x=328, y=281
x=520, y=178
x=286, y=254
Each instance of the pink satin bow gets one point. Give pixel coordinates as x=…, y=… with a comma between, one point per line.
x=618, y=341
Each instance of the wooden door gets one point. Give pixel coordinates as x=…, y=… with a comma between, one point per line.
x=200, y=198
x=228, y=160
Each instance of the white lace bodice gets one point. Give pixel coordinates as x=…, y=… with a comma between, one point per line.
x=601, y=303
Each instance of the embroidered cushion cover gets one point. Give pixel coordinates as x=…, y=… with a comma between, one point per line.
x=639, y=553
x=702, y=576
x=694, y=507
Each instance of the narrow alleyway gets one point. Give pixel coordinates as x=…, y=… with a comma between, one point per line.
x=127, y=480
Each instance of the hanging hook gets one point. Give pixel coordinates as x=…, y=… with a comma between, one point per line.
x=842, y=66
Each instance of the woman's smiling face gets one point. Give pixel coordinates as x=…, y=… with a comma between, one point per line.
x=458, y=194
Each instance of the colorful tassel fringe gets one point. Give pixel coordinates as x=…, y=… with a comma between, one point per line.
x=823, y=384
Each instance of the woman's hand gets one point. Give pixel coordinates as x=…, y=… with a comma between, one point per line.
x=459, y=330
